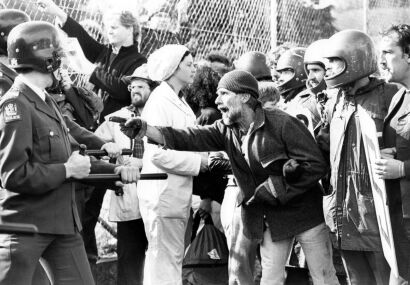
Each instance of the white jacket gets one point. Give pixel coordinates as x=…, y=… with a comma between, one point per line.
x=126, y=207
x=168, y=198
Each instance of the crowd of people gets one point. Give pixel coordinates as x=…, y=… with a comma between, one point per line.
x=276, y=151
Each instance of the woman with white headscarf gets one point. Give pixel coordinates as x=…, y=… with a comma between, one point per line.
x=165, y=205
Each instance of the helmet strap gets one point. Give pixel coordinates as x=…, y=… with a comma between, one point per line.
x=56, y=82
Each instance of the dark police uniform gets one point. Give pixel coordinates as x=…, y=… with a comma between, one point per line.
x=35, y=142
x=7, y=76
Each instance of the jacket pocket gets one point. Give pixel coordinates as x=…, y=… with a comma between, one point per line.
x=50, y=144
x=274, y=161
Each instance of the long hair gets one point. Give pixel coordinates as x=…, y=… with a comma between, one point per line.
x=202, y=92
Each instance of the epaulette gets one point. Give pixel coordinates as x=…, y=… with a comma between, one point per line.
x=11, y=94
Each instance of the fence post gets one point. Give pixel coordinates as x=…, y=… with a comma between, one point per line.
x=273, y=23
x=365, y=15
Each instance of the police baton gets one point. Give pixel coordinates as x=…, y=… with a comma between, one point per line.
x=18, y=228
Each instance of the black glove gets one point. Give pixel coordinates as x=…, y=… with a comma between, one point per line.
x=262, y=195
x=133, y=127
x=292, y=170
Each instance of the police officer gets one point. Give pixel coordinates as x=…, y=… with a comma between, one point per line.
x=349, y=209
x=9, y=18
x=37, y=164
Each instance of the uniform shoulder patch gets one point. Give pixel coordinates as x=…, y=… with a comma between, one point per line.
x=8, y=105
x=11, y=112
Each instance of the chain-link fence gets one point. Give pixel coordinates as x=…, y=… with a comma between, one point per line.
x=233, y=27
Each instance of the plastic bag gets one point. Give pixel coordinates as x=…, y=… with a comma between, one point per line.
x=206, y=259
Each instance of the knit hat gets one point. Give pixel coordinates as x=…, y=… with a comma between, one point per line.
x=239, y=81
x=163, y=62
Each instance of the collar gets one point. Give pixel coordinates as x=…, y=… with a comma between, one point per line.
x=373, y=84
x=38, y=91
x=133, y=109
x=128, y=49
x=319, y=88
x=258, y=122
x=10, y=73
x=259, y=117
x=174, y=95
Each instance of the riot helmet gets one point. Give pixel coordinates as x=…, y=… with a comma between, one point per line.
x=35, y=45
x=9, y=18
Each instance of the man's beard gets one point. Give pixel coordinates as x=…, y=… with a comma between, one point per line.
x=313, y=83
x=232, y=116
x=137, y=101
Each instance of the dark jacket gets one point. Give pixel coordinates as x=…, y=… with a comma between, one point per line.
x=402, y=148
x=275, y=138
x=396, y=133
x=35, y=142
x=307, y=99
x=7, y=76
x=209, y=184
x=349, y=209
x=107, y=77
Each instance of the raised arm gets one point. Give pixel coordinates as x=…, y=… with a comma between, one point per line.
x=90, y=47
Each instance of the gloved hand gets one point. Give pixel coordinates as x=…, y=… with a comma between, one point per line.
x=389, y=168
x=134, y=127
x=292, y=170
x=262, y=195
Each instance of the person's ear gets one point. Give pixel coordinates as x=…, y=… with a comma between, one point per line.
x=245, y=97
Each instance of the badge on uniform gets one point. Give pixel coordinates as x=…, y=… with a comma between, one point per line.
x=11, y=113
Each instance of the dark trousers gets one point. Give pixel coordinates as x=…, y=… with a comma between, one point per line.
x=20, y=254
x=402, y=245
x=366, y=267
x=131, y=247
x=92, y=211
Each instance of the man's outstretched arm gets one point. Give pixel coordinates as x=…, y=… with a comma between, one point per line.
x=198, y=138
x=136, y=127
